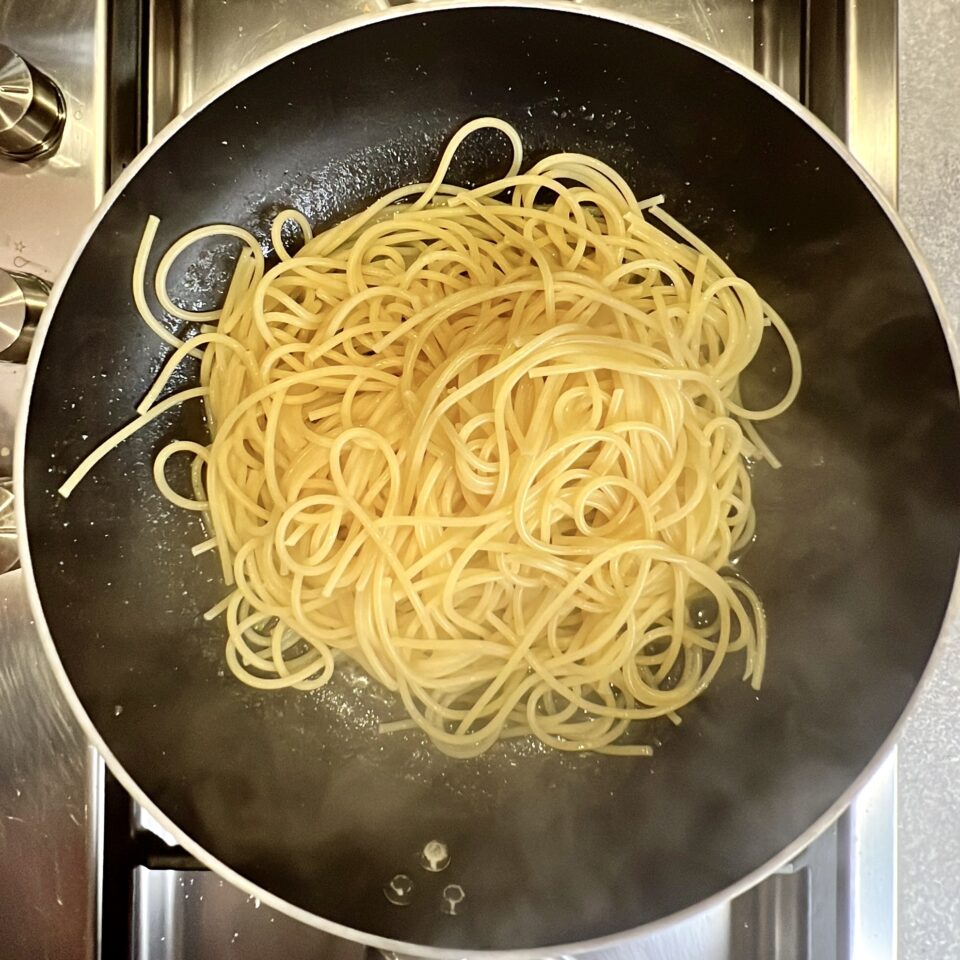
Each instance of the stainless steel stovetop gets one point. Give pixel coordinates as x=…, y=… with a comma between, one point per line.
x=84, y=875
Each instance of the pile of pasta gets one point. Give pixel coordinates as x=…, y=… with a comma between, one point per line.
x=486, y=442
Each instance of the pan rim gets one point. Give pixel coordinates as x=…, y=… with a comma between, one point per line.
x=49, y=646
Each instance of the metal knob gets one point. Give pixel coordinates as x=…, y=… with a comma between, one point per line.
x=32, y=109
x=22, y=299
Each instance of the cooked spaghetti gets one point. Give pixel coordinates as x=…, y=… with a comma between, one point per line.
x=486, y=442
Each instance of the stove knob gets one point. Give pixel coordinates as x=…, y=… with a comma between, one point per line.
x=22, y=299
x=32, y=109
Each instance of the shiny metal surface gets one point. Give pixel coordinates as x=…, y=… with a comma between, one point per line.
x=868, y=862
x=48, y=904
x=13, y=309
x=851, y=79
x=196, y=914
x=32, y=110
x=9, y=553
x=96, y=814
x=872, y=88
x=22, y=299
x=48, y=801
x=45, y=206
x=196, y=44
x=16, y=90
x=726, y=25
x=779, y=46
x=11, y=383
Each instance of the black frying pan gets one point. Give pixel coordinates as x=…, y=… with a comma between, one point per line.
x=858, y=533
